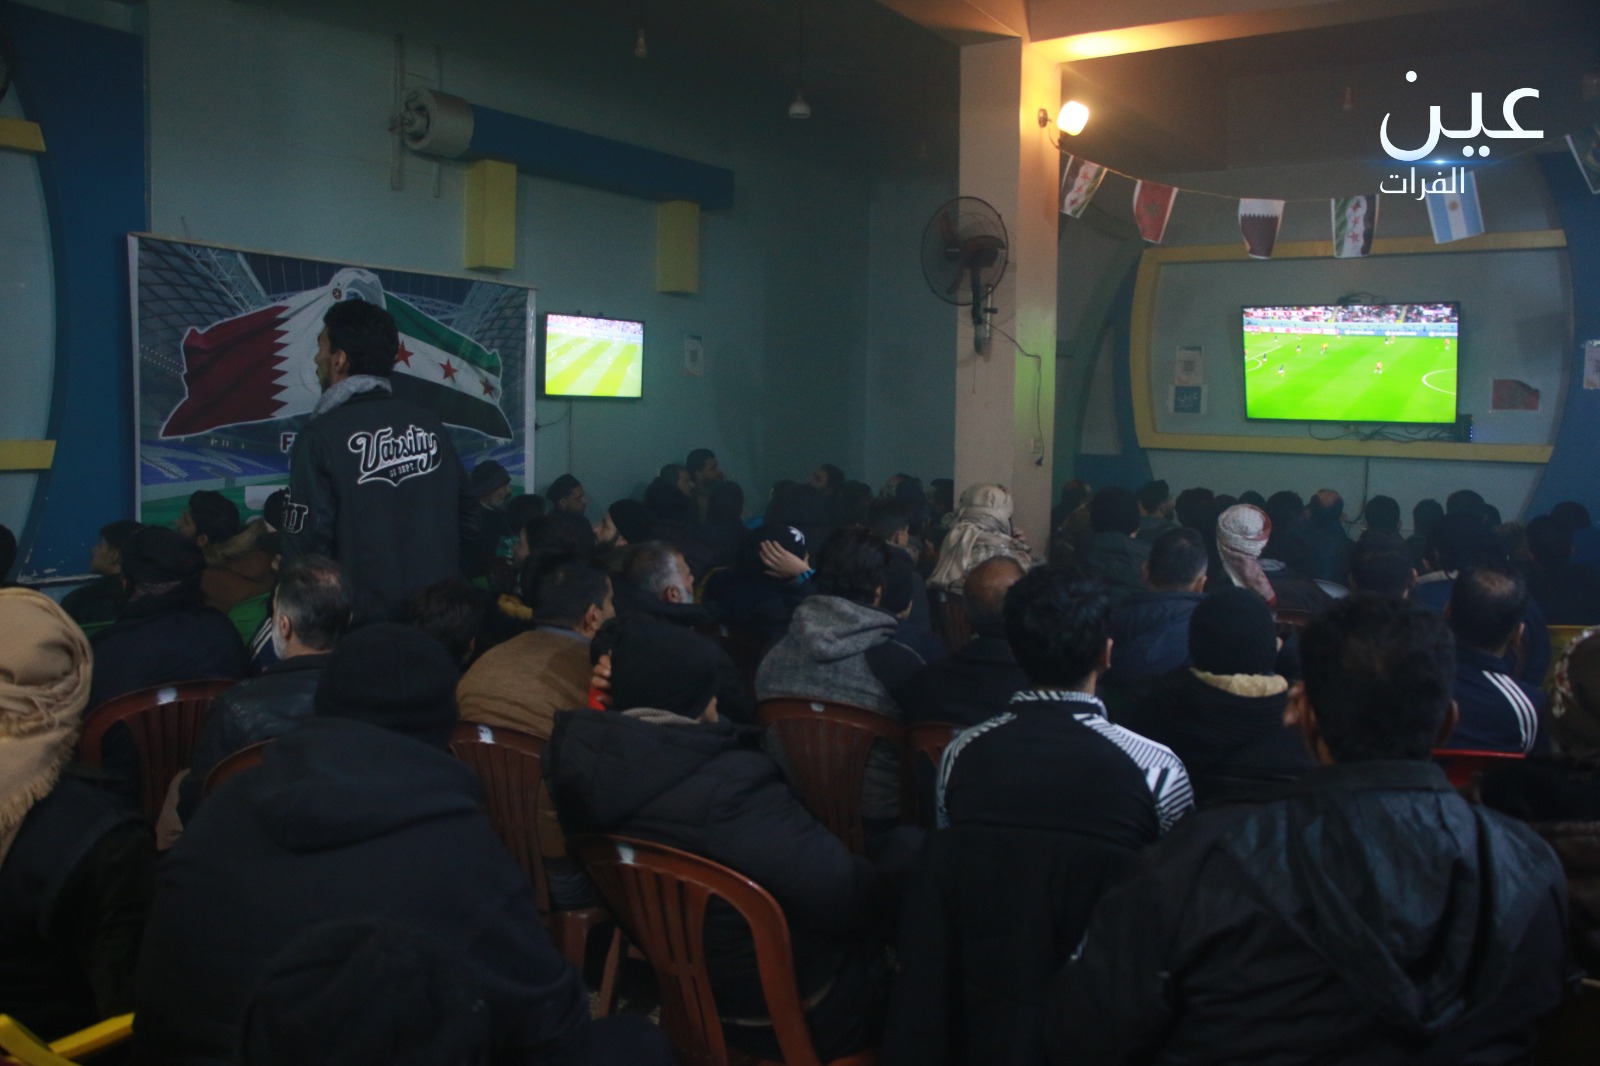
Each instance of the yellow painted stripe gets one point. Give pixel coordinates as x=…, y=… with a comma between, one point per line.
x=1142, y=326
x=21, y=134
x=27, y=454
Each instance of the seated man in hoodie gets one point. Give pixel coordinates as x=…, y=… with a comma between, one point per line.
x=667, y=769
x=841, y=648
x=1150, y=629
x=361, y=812
x=1114, y=557
x=1369, y=914
x=1223, y=713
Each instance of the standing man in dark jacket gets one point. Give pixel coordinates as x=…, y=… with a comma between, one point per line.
x=374, y=481
x=1367, y=915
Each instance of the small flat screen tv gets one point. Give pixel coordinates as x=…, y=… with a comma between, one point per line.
x=597, y=357
x=1352, y=363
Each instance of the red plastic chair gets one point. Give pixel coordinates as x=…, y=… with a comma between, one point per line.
x=660, y=894
x=826, y=746
x=950, y=618
x=509, y=763
x=928, y=740
x=1463, y=766
x=164, y=722
x=246, y=758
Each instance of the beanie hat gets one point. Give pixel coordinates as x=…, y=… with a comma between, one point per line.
x=663, y=666
x=160, y=556
x=632, y=520
x=1232, y=632
x=393, y=676
x=366, y=993
x=486, y=477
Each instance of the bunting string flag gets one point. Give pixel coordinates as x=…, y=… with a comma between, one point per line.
x=1355, y=222
x=1585, y=146
x=1258, y=222
x=1080, y=180
x=1456, y=214
x=1152, y=208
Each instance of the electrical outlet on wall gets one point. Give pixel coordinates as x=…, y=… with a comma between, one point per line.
x=1038, y=446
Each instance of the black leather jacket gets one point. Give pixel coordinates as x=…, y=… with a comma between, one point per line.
x=257, y=709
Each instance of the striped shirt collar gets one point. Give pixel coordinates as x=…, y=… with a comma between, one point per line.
x=1060, y=695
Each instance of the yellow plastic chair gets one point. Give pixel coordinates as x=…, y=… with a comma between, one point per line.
x=26, y=1048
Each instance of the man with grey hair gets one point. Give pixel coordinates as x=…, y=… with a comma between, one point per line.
x=310, y=610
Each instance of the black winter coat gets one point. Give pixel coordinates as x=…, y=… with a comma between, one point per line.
x=164, y=638
x=708, y=789
x=258, y=708
x=1368, y=916
x=375, y=484
x=344, y=820
x=74, y=890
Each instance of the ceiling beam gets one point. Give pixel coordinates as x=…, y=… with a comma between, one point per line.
x=966, y=21
x=1076, y=29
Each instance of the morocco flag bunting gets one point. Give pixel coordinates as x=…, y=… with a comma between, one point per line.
x=1259, y=221
x=259, y=366
x=1080, y=180
x=1152, y=207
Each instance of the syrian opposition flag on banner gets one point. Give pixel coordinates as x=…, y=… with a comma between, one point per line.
x=1355, y=222
x=1080, y=180
x=1454, y=215
x=1152, y=207
x=259, y=366
x=1258, y=222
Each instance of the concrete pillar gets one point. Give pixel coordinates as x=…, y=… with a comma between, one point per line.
x=1005, y=401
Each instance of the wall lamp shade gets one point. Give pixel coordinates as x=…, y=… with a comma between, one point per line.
x=1073, y=118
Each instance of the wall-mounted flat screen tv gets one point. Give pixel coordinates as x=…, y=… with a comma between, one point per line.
x=585, y=356
x=1352, y=363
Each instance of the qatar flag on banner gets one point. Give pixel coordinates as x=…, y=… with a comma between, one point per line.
x=1152, y=207
x=1259, y=221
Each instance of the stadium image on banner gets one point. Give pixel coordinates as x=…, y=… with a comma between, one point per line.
x=599, y=357
x=226, y=342
x=1374, y=363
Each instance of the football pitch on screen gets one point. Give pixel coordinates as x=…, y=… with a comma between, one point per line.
x=592, y=366
x=1357, y=379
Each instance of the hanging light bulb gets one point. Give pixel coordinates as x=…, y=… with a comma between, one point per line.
x=640, y=49
x=799, y=109
x=1073, y=118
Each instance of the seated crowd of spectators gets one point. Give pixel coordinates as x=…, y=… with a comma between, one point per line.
x=1194, y=809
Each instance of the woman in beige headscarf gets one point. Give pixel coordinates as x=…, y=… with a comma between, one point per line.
x=76, y=864
x=981, y=531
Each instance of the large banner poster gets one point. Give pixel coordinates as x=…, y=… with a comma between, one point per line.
x=224, y=376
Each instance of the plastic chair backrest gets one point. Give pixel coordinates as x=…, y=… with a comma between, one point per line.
x=24, y=1047
x=928, y=739
x=826, y=746
x=164, y=721
x=659, y=895
x=246, y=758
x=950, y=619
x=1461, y=764
x=509, y=763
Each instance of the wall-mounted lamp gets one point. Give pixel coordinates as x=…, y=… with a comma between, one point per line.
x=1071, y=120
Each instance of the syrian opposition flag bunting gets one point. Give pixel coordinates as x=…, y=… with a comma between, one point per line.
x=1080, y=180
x=259, y=366
x=1355, y=222
x=1258, y=222
x=1152, y=207
x=1456, y=214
